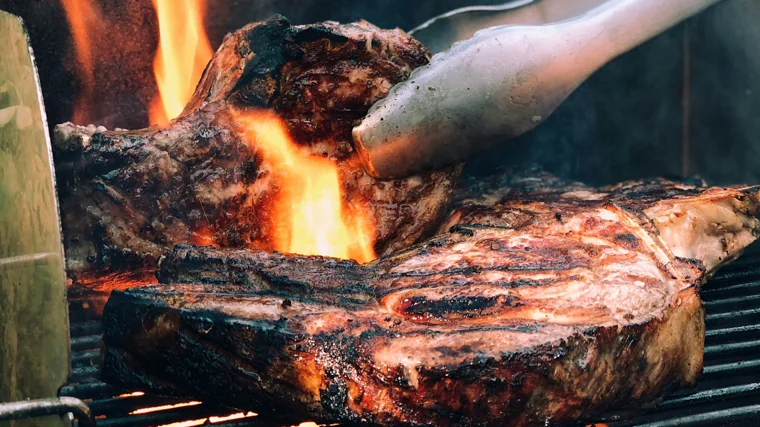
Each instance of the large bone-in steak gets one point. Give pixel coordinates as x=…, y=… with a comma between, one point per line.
x=127, y=197
x=541, y=303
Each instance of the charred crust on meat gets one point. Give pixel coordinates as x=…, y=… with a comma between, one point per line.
x=285, y=283
x=462, y=229
x=267, y=51
x=628, y=240
x=444, y=306
x=315, y=32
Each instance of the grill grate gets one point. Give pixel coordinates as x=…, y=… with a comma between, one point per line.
x=729, y=391
x=727, y=394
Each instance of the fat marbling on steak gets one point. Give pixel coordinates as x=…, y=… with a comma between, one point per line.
x=127, y=197
x=541, y=303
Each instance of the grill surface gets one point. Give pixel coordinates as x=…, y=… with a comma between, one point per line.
x=727, y=394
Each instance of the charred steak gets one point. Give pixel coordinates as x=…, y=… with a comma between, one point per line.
x=541, y=303
x=129, y=196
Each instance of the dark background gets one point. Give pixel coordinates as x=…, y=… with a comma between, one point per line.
x=685, y=103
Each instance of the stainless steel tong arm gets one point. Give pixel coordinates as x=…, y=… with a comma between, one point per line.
x=501, y=83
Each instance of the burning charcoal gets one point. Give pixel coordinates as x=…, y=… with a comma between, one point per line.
x=508, y=316
x=216, y=175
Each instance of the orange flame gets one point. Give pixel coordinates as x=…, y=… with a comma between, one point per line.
x=183, y=52
x=310, y=217
x=164, y=407
x=84, y=18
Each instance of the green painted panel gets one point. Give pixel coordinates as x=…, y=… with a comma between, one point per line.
x=34, y=336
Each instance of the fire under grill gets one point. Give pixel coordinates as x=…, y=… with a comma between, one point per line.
x=727, y=394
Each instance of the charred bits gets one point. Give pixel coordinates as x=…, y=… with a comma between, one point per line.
x=420, y=308
x=628, y=241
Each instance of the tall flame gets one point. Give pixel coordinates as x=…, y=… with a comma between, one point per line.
x=183, y=52
x=84, y=18
x=310, y=216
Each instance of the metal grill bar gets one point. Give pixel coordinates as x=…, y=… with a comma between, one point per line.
x=85, y=357
x=726, y=331
x=752, y=287
x=732, y=314
x=734, y=274
x=51, y=406
x=709, y=418
x=89, y=391
x=86, y=329
x=722, y=348
x=731, y=367
x=125, y=406
x=85, y=343
x=168, y=417
x=83, y=373
x=735, y=300
x=702, y=396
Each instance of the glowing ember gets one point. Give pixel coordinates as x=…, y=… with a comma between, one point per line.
x=163, y=408
x=83, y=18
x=133, y=394
x=310, y=215
x=313, y=424
x=237, y=416
x=182, y=55
x=204, y=237
x=188, y=423
x=212, y=420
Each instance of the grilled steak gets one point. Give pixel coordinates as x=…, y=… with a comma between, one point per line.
x=712, y=225
x=128, y=197
x=541, y=303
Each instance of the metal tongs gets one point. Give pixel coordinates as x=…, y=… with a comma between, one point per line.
x=504, y=80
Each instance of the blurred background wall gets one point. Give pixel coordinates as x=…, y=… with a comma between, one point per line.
x=685, y=103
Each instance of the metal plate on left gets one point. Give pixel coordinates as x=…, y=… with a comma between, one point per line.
x=34, y=335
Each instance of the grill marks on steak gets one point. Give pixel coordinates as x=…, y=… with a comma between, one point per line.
x=129, y=196
x=577, y=306
x=594, y=278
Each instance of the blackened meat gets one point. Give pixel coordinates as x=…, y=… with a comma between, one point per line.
x=129, y=196
x=540, y=303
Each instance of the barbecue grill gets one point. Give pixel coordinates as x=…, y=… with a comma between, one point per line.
x=728, y=392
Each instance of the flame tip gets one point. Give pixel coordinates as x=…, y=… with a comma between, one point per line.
x=182, y=55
